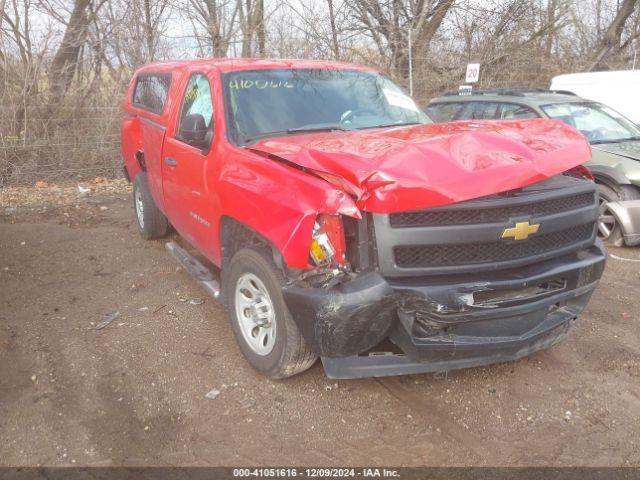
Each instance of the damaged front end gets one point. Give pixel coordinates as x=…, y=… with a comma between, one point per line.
x=441, y=289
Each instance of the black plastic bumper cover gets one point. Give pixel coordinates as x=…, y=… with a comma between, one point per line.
x=344, y=320
x=436, y=322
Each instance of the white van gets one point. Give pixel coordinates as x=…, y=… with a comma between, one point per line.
x=619, y=90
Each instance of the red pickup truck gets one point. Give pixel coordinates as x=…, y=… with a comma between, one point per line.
x=344, y=224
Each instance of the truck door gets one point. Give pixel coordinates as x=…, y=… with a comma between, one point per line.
x=184, y=164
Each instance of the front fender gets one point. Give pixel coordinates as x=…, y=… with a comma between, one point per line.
x=279, y=202
x=608, y=175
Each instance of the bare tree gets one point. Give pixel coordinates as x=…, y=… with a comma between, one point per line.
x=153, y=17
x=218, y=18
x=129, y=33
x=335, y=46
x=323, y=27
x=252, y=25
x=611, y=40
x=65, y=60
x=258, y=23
x=2, y=4
x=21, y=66
x=390, y=23
x=20, y=28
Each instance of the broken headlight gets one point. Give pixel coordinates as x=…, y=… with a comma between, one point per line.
x=327, y=242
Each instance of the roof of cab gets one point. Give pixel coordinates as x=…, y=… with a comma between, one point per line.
x=233, y=64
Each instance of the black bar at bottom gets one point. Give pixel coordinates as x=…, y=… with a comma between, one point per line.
x=404, y=473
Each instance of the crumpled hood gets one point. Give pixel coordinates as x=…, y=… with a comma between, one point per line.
x=626, y=149
x=404, y=168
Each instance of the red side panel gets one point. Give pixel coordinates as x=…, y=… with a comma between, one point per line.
x=130, y=144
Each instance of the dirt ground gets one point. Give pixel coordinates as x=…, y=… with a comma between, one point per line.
x=133, y=393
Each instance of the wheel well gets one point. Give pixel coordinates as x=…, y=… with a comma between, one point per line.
x=235, y=236
x=141, y=161
x=609, y=176
x=605, y=180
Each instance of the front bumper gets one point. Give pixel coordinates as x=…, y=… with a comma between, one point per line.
x=628, y=215
x=443, y=323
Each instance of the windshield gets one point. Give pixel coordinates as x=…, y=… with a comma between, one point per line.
x=263, y=103
x=597, y=122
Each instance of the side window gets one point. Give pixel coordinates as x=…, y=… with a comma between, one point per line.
x=195, y=125
x=443, y=112
x=479, y=111
x=510, y=111
x=151, y=92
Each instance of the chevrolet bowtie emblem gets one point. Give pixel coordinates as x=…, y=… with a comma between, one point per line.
x=521, y=231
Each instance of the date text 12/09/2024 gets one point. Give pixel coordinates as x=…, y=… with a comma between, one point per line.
x=316, y=472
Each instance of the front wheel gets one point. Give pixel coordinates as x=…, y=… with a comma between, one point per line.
x=609, y=230
x=266, y=334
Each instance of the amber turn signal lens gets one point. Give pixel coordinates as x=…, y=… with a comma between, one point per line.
x=328, y=243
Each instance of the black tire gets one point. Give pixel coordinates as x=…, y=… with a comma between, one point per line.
x=609, y=230
x=151, y=221
x=290, y=354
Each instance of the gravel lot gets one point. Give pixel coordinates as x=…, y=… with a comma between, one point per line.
x=133, y=393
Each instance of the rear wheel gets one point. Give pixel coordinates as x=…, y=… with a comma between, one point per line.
x=609, y=229
x=151, y=221
x=266, y=334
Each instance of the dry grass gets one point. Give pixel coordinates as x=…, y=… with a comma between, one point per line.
x=44, y=195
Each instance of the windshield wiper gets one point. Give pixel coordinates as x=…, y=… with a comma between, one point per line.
x=387, y=125
x=319, y=128
x=322, y=128
x=279, y=133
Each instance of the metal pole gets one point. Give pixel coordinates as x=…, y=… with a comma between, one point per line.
x=635, y=54
x=410, y=66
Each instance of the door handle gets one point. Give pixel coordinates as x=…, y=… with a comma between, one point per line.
x=172, y=162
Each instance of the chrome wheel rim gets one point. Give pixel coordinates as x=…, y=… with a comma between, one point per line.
x=139, y=208
x=255, y=314
x=606, y=220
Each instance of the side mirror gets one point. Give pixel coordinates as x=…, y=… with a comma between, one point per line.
x=193, y=130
